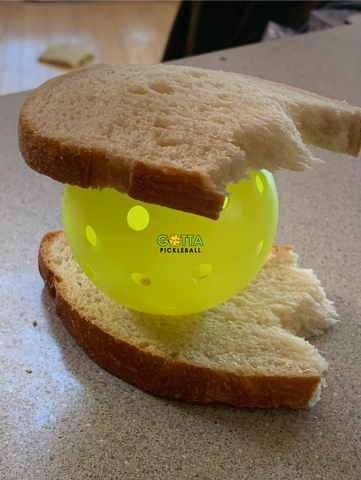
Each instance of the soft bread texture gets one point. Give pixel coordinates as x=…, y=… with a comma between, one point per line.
x=247, y=351
x=174, y=135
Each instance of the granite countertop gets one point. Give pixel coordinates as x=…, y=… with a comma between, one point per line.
x=69, y=419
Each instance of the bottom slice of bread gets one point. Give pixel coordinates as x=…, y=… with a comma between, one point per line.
x=248, y=351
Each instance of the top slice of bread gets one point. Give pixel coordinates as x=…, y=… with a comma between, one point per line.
x=175, y=135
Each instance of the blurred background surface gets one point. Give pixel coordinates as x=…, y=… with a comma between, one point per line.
x=116, y=32
x=128, y=32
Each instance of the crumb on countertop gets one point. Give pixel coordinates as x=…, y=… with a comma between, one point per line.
x=28, y=370
x=35, y=323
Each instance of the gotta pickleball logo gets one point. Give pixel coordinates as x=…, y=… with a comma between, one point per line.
x=180, y=243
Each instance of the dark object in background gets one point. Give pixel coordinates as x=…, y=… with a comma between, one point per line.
x=204, y=26
x=344, y=4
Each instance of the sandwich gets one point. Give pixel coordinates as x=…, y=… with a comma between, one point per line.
x=176, y=137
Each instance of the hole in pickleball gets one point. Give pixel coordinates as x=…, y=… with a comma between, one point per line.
x=87, y=270
x=91, y=235
x=202, y=271
x=138, y=218
x=262, y=183
x=141, y=279
x=226, y=203
x=259, y=248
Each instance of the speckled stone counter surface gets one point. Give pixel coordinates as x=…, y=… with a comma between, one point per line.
x=69, y=419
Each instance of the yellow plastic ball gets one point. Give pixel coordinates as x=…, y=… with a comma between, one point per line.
x=162, y=261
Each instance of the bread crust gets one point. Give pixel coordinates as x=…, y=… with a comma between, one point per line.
x=164, y=376
x=167, y=186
